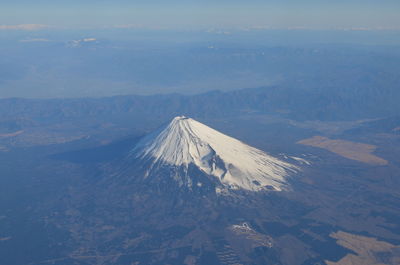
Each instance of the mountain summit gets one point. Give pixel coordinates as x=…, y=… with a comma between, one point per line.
x=185, y=145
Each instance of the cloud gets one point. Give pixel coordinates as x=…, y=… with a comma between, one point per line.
x=139, y=26
x=219, y=32
x=89, y=40
x=300, y=28
x=78, y=43
x=23, y=27
x=370, y=28
x=35, y=40
x=128, y=26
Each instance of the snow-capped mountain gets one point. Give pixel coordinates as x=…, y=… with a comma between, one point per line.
x=184, y=143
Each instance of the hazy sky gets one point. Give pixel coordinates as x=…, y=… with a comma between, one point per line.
x=320, y=14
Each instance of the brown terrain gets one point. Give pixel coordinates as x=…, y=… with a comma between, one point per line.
x=356, y=151
x=370, y=251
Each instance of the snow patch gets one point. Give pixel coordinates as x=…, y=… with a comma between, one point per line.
x=301, y=160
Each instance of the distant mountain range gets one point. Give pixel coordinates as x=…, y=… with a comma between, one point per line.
x=294, y=103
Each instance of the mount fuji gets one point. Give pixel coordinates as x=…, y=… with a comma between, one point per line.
x=197, y=156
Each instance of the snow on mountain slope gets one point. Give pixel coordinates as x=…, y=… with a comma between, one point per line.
x=237, y=165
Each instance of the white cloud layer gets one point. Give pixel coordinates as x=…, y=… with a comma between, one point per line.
x=35, y=40
x=23, y=27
